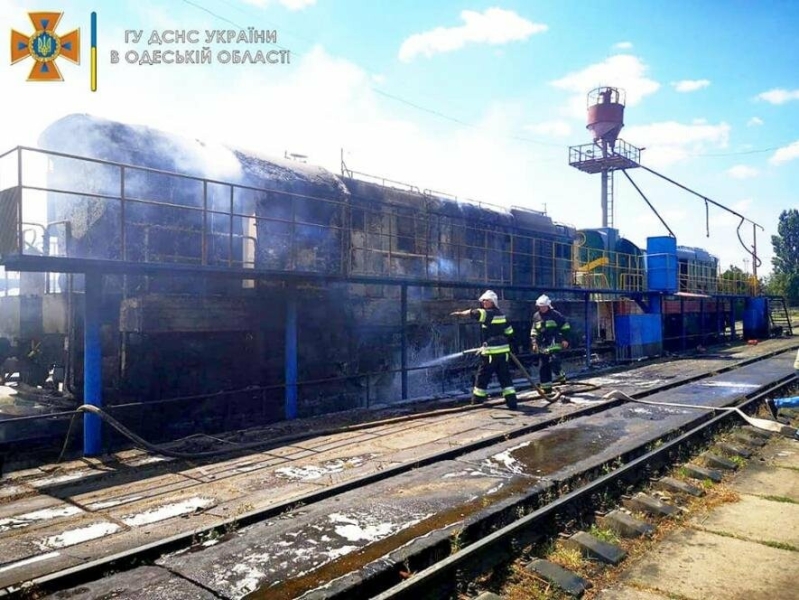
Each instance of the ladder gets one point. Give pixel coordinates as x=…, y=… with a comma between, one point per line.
x=778, y=315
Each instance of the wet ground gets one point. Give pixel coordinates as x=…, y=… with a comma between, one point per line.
x=55, y=518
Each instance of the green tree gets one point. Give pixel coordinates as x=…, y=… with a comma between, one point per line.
x=786, y=243
x=785, y=280
x=734, y=280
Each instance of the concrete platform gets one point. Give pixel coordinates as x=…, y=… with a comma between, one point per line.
x=58, y=517
x=746, y=550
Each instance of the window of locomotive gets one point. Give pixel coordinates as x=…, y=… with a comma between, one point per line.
x=357, y=218
x=684, y=273
x=404, y=238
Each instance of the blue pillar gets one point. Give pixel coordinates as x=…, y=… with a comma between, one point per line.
x=92, y=364
x=702, y=328
x=587, y=302
x=291, y=352
x=655, y=302
x=404, y=344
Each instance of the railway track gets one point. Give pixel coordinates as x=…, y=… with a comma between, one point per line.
x=463, y=493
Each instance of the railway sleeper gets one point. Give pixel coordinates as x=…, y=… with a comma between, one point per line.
x=624, y=525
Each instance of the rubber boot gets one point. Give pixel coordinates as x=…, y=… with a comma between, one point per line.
x=512, y=401
x=477, y=400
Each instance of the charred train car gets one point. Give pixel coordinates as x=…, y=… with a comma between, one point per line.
x=197, y=324
x=194, y=219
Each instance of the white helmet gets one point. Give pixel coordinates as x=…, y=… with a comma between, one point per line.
x=489, y=295
x=543, y=300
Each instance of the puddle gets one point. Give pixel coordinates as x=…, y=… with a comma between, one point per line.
x=555, y=450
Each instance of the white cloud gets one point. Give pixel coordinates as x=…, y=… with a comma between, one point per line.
x=621, y=71
x=690, y=85
x=553, y=128
x=290, y=4
x=785, y=154
x=321, y=103
x=669, y=142
x=742, y=172
x=495, y=26
x=623, y=45
x=723, y=218
x=754, y=122
x=779, y=96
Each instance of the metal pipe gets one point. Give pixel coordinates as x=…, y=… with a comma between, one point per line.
x=657, y=214
x=20, y=240
x=682, y=324
x=204, y=240
x=705, y=198
x=291, y=352
x=587, y=333
x=404, y=343
x=92, y=364
x=122, y=216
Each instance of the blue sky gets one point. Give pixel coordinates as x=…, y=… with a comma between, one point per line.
x=478, y=99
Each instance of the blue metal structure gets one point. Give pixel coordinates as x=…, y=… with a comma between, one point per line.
x=162, y=220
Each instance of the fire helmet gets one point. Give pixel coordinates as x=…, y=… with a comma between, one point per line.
x=543, y=300
x=489, y=295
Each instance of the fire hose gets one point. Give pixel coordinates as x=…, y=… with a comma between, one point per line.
x=549, y=396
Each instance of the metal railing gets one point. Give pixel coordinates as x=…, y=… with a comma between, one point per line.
x=55, y=205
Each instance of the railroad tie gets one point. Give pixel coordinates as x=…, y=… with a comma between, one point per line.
x=569, y=582
x=624, y=524
x=594, y=548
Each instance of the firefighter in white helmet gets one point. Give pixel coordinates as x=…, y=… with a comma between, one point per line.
x=497, y=337
x=548, y=337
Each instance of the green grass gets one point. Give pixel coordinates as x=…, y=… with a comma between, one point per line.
x=780, y=499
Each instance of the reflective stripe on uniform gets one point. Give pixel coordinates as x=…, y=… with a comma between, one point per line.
x=483, y=315
x=508, y=330
x=508, y=391
x=550, y=324
x=488, y=350
x=480, y=392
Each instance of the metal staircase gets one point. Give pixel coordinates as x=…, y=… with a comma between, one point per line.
x=779, y=317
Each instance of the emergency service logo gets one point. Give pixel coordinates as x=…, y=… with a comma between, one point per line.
x=45, y=46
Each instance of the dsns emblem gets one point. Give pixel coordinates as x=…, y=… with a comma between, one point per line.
x=45, y=46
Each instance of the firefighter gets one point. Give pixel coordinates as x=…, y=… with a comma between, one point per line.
x=496, y=335
x=548, y=337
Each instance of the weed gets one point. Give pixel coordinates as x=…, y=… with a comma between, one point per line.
x=739, y=461
x=780, y=499
x=569, y=558
x=604, y=534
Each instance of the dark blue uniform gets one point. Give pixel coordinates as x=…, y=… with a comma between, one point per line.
x=496, y=334
x=547, y=332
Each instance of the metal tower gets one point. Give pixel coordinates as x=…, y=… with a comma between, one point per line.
x=607, y=153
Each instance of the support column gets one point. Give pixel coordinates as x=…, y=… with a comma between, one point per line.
x=404, y=346
x=92, y=364
x=683, y=344
x=291, y=352
x=702, y=331
x=586, y=300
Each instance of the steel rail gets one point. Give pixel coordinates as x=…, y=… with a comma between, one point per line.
x=442, y=579
x=136, y=556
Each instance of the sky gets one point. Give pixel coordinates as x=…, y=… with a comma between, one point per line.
x=478, y=99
